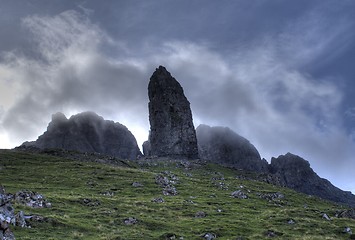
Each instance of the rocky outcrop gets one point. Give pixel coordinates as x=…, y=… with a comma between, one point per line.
x=223, y=146
x=172, y=133
x=88, y=132
x=294, y=172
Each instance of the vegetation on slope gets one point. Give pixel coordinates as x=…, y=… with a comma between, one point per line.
x=91, y=201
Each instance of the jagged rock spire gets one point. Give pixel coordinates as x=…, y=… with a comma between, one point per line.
x=172, y=132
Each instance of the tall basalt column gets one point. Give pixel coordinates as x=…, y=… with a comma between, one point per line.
x=172, y=133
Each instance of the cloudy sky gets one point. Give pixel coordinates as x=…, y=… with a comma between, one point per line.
x=280, y=73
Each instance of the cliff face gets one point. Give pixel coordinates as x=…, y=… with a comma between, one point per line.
x=294, y=172
x=172, y=132
x=88, y=132
x=222, y=145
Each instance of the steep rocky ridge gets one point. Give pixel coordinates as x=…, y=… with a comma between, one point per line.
x=172, y=132
x=88, y=132
x=222, y=145
x=294, y=172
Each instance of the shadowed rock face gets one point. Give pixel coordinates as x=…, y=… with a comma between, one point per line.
x=295, y=172
x=172, y=132
x=222, y=145
x=88, y=132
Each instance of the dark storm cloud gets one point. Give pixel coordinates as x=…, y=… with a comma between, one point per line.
x=251, y=65
x=72, y=73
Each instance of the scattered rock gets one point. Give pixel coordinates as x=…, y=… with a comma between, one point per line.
x=271, y=196
x=239, y=194
x=108, y=193
x=200, y=214
x=209, y=236
x=223, y=146
x=161, y=180
x=130, y=221
x=167, y=180
x=271, y=233
x=347, y=214
x=172, y=133
x=347, y=230
x=326, y=217
x=158, y=200
x=219, y=181
x=32, y=199
x=291, y=222
x=137, y=184
x=170, y=191
x=8, y=216
x=90, y=202
x=170, y=236
x=20, y=219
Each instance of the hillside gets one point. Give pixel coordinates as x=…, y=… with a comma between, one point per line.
x=95, y=200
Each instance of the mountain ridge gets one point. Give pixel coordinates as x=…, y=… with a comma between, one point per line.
x=173, y=135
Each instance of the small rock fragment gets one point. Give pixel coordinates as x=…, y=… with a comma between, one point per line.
x=137, y=184
x=325, y=216
x=200, y=214
x=130, y=221
x=347, y=230
x=291, y=221
x=209, y=236
x=239, y=194
x=158, y=200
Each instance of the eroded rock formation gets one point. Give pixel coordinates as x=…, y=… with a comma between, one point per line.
x=172, y=133
x=295, y=172
x=88, y=132
x=222, y=145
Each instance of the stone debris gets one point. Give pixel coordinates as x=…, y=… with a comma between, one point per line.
x=239, y=194
x=291, y=222
x=8, y=216
x=108, y=193
x=90, y=202
x=209, y=236
x=270, y=233
x=137, y=184
x=170, y=236
x=347, y=214
x=200, y=214
x=130, y=221
x=271, y=196
x=347, y=230
x=326, y=217
x=219, y=181
x=170, y=191
x=158, y=200
x=167, y=181
x=31, y=199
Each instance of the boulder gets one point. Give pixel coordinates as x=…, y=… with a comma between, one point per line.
x=223, y=146
x=88, y=132
x=172, y=133
x=294, y=172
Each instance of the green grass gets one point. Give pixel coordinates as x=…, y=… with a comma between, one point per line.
x=66, y=183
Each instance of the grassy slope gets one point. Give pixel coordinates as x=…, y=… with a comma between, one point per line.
x=65, y=183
